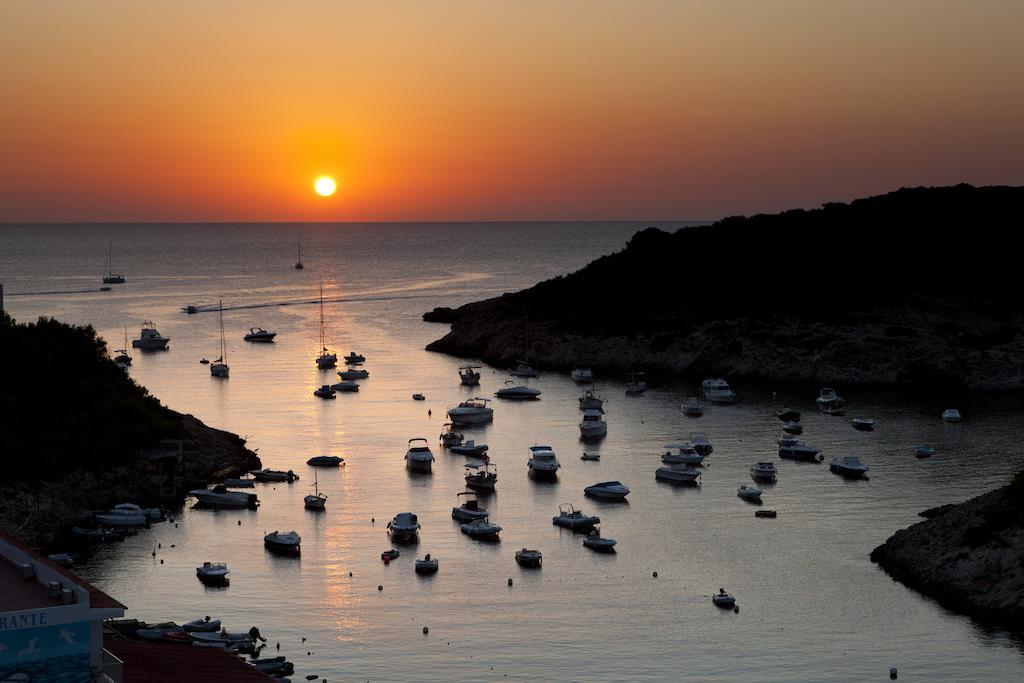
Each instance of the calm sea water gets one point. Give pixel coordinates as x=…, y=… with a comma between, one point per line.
x=812, y=605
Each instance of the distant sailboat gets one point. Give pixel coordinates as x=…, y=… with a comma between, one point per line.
x=298, y=262
x=122, y=357
x=219, y=367
x=327, y=359
x=110, y=278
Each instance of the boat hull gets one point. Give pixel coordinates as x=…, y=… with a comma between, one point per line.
x=151, y=344
x=848, y=473
x=282, y=548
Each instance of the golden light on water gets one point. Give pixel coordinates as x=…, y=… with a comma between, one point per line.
x=325, y=186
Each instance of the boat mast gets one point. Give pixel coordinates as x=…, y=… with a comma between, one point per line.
x=110, y=257
x=323, y=346
x=223, y=348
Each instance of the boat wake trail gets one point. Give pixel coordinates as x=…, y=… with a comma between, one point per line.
x=56, y=292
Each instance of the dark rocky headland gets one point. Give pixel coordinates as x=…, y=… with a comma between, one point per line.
x=918, y=287
x=77, y=434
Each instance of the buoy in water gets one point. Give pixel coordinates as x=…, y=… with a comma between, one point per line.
x=161, y=561
x=510, y=580
x=735, y=609
x=893, y=674
x=380, y=588
x=426, y=630
x=655, y=574
x=350, y=575
x=239, y=522
x=387, y=560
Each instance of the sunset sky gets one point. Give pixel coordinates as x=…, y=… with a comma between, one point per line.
x=475, y=110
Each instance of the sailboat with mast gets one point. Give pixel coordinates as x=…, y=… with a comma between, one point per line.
x=298, y=261
x=122, y=358
x=110, y=278
x=219, y=367
x=522, y=367
x=317, y=501
x=327, y=359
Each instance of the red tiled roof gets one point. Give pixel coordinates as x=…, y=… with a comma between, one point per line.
x=97, y=598
x=174, y=662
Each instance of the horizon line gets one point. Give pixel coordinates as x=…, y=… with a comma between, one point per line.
x=413, y=222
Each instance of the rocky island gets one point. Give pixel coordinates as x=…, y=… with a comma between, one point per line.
x=77, y=434
x=916, y=287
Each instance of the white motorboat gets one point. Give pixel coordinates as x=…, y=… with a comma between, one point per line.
x=582, y=373
x=220, y=497
x=701, y=444
x=120, y=519
x=353, y=374
x=570, y=518
x=258, y=334
x=764, y=471
x=419, y=397
x=693, y=407
x=324, y=392
x=863, y=424
x=517, y=391
x=481, y=476
x=269, y=475
x=404, y=526
x=590, y=457
x=345, y=387
x=717, y=390
x=593, y=424
x=471, y=412
x=468, y=509
x=239, y=483
x=426, y=566
x=151, y=514
x=111, y=278
x=591, y=401
x=481, y=530
x=325, y=461
x=849, y=466
x=678, y=473
x=470, y=448
x=924, y=451
x=283, y=542
x=529, y=558
x=219, y=367
x=792, y=448
x=830, y=402
x=468, y=375
x=595, y=541
x=749, y=492
x=636, y=384
x=685, y=454
x=327, y=358
x=607, y=490
x=215, y=573
x=317, y=501
x=542, y=463
x=449, y=437
x=353, y=358
x=951, y=415
x=723, y=599
x=793, y=428
x=522, y=369
x=418, y=458
x=150, y=339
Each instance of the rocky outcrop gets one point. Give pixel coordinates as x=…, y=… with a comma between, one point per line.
x=969, y=557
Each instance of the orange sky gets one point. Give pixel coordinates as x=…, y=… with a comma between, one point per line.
x=478, y=110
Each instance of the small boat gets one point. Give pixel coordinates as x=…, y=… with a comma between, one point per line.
x=275, y=667
x=519, y=392
x=701, y=444
x=324, y=392
x=327, y=358
x=717, y=390
x=770, y=514
x=788, y=415
x=529, y=558
x=793, y=428
x=951, y=415
x=521, y=369
x=156, y=631
x=419, y=458
x=924, y=451
x=595, y=541
x=863, y=424
x=636, y=384
x=214, y=573
x=239, y=482
x=117, y=519
x=469, y=509
x=206, y=625
x=678, y=473
x=830, y=402
x=591, y=401
x=419, y=397
x=325, y=461
x=151, y=514
x=593, y=424
x=220, y=497
x=582, y=373
x=266, y=475
x=468, y=375
x=101, y=535
x=792, y=448
x=150, y=339
x=219, y=367
x=591, y=456
x=404, y=527
x=764, y=471
x=111, y=278
x=749, y=492
x=353, y=374
x=175, y=636
x=481, y=530
x=317, y=501
x=685, y=454
x=345, y=386
x=449, y=437
x=63, y=559
x=481, y=476
x=607, y=490
x=570, y=518
x=122, y=357
x=284, y=543
x=389, y=555
x=204, y=361
x=298, y=259
x=190, y=309
x=353, y=358
x=723, y=599
x=426, y=566
x=258, y=334
x=693, y=407
x=849, y=466
x=471, y=412
x=105, y=289
x=542, y=463
x=470, y=448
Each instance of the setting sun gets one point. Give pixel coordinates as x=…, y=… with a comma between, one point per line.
x=325, y=186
